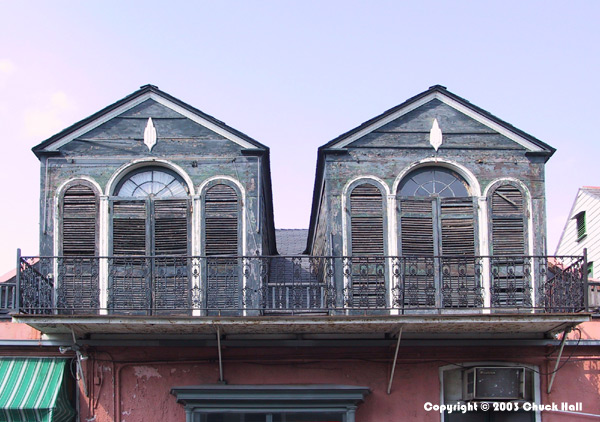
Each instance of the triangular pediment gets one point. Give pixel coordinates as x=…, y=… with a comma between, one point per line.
x=462, y=125
x=128, y=123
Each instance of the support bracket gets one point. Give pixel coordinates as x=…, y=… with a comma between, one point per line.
x=80, y=358
x=221, y=380
x=560, y=352
x=389, y=389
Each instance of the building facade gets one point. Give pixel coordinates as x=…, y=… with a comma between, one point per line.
x=421, y=288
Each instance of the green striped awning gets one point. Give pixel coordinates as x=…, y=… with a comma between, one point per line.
x=33, y=390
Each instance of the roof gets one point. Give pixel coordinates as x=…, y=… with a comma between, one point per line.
x=441, y=93
x=8, y=276
x=291, y=241
x=337, y=145
x=145, y=92
x=592, y=190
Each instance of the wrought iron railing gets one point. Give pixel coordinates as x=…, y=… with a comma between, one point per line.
x=269, y=285
x=8, y=292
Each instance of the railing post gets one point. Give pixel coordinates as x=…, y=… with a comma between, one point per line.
x=17, y=298
x=586, y=286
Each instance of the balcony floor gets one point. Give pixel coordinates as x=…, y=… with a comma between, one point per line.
x=416, y=326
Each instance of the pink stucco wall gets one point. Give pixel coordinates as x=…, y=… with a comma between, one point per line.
x=13, y=331
x=142, y=378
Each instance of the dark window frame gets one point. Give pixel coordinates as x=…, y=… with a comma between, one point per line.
x=581, y=225
x=205, y=399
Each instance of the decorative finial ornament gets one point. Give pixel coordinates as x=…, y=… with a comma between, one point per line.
x=150, y=134
x=435, y=135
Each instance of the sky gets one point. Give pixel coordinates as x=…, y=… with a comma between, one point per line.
x=293, y=75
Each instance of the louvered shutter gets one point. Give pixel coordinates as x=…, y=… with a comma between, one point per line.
x=510, y=284
x=367, y=245
x=508, y=221
x=130, y=271
x=80, y=210
x=221, y=222
x=171, y=284
x=78, y=284
x=416, y=227
x=460, y=287
x=458, y=227
x=221, y=210
x=417, y=250
x=366, y=220
x=129, y=228
x=171, y=227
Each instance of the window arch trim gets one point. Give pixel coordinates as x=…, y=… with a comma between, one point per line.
x=126, y=169
x=241, y=193
x=527, y=208
x=59, y=210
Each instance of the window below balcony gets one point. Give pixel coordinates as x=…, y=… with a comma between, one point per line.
x=508, y=386
x=270, y=403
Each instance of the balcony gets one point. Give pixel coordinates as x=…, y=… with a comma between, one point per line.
x=262, y=285
x=179, y=293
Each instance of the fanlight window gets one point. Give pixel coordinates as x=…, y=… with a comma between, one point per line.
x=436, y=181
x=160, y=183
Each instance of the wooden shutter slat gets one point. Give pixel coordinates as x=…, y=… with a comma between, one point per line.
x=79, y=221
x=458, y=228
x=78, y=275
x=171, y=227
x=508, y=221
x=221, y=210
x=416, y=225
x=129, y=228
x=366, y=220
x=221, y=232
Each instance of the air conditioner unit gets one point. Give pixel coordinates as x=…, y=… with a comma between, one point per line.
x=494, y=383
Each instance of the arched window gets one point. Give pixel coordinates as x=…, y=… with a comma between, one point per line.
x=222, y=213
x=79, y=221
x=367, y=247
x=150, y=214
x=438, y=218
x=78, y=284
x=221, y=216
x=150, y=241
x=511, y=270
x=437, y=213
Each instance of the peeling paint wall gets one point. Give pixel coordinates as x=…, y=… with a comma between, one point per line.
x=143, y=388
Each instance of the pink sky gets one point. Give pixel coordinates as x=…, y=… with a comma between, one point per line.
x=293, y=75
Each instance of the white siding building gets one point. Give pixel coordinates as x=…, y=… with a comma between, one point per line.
x=582, y=229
